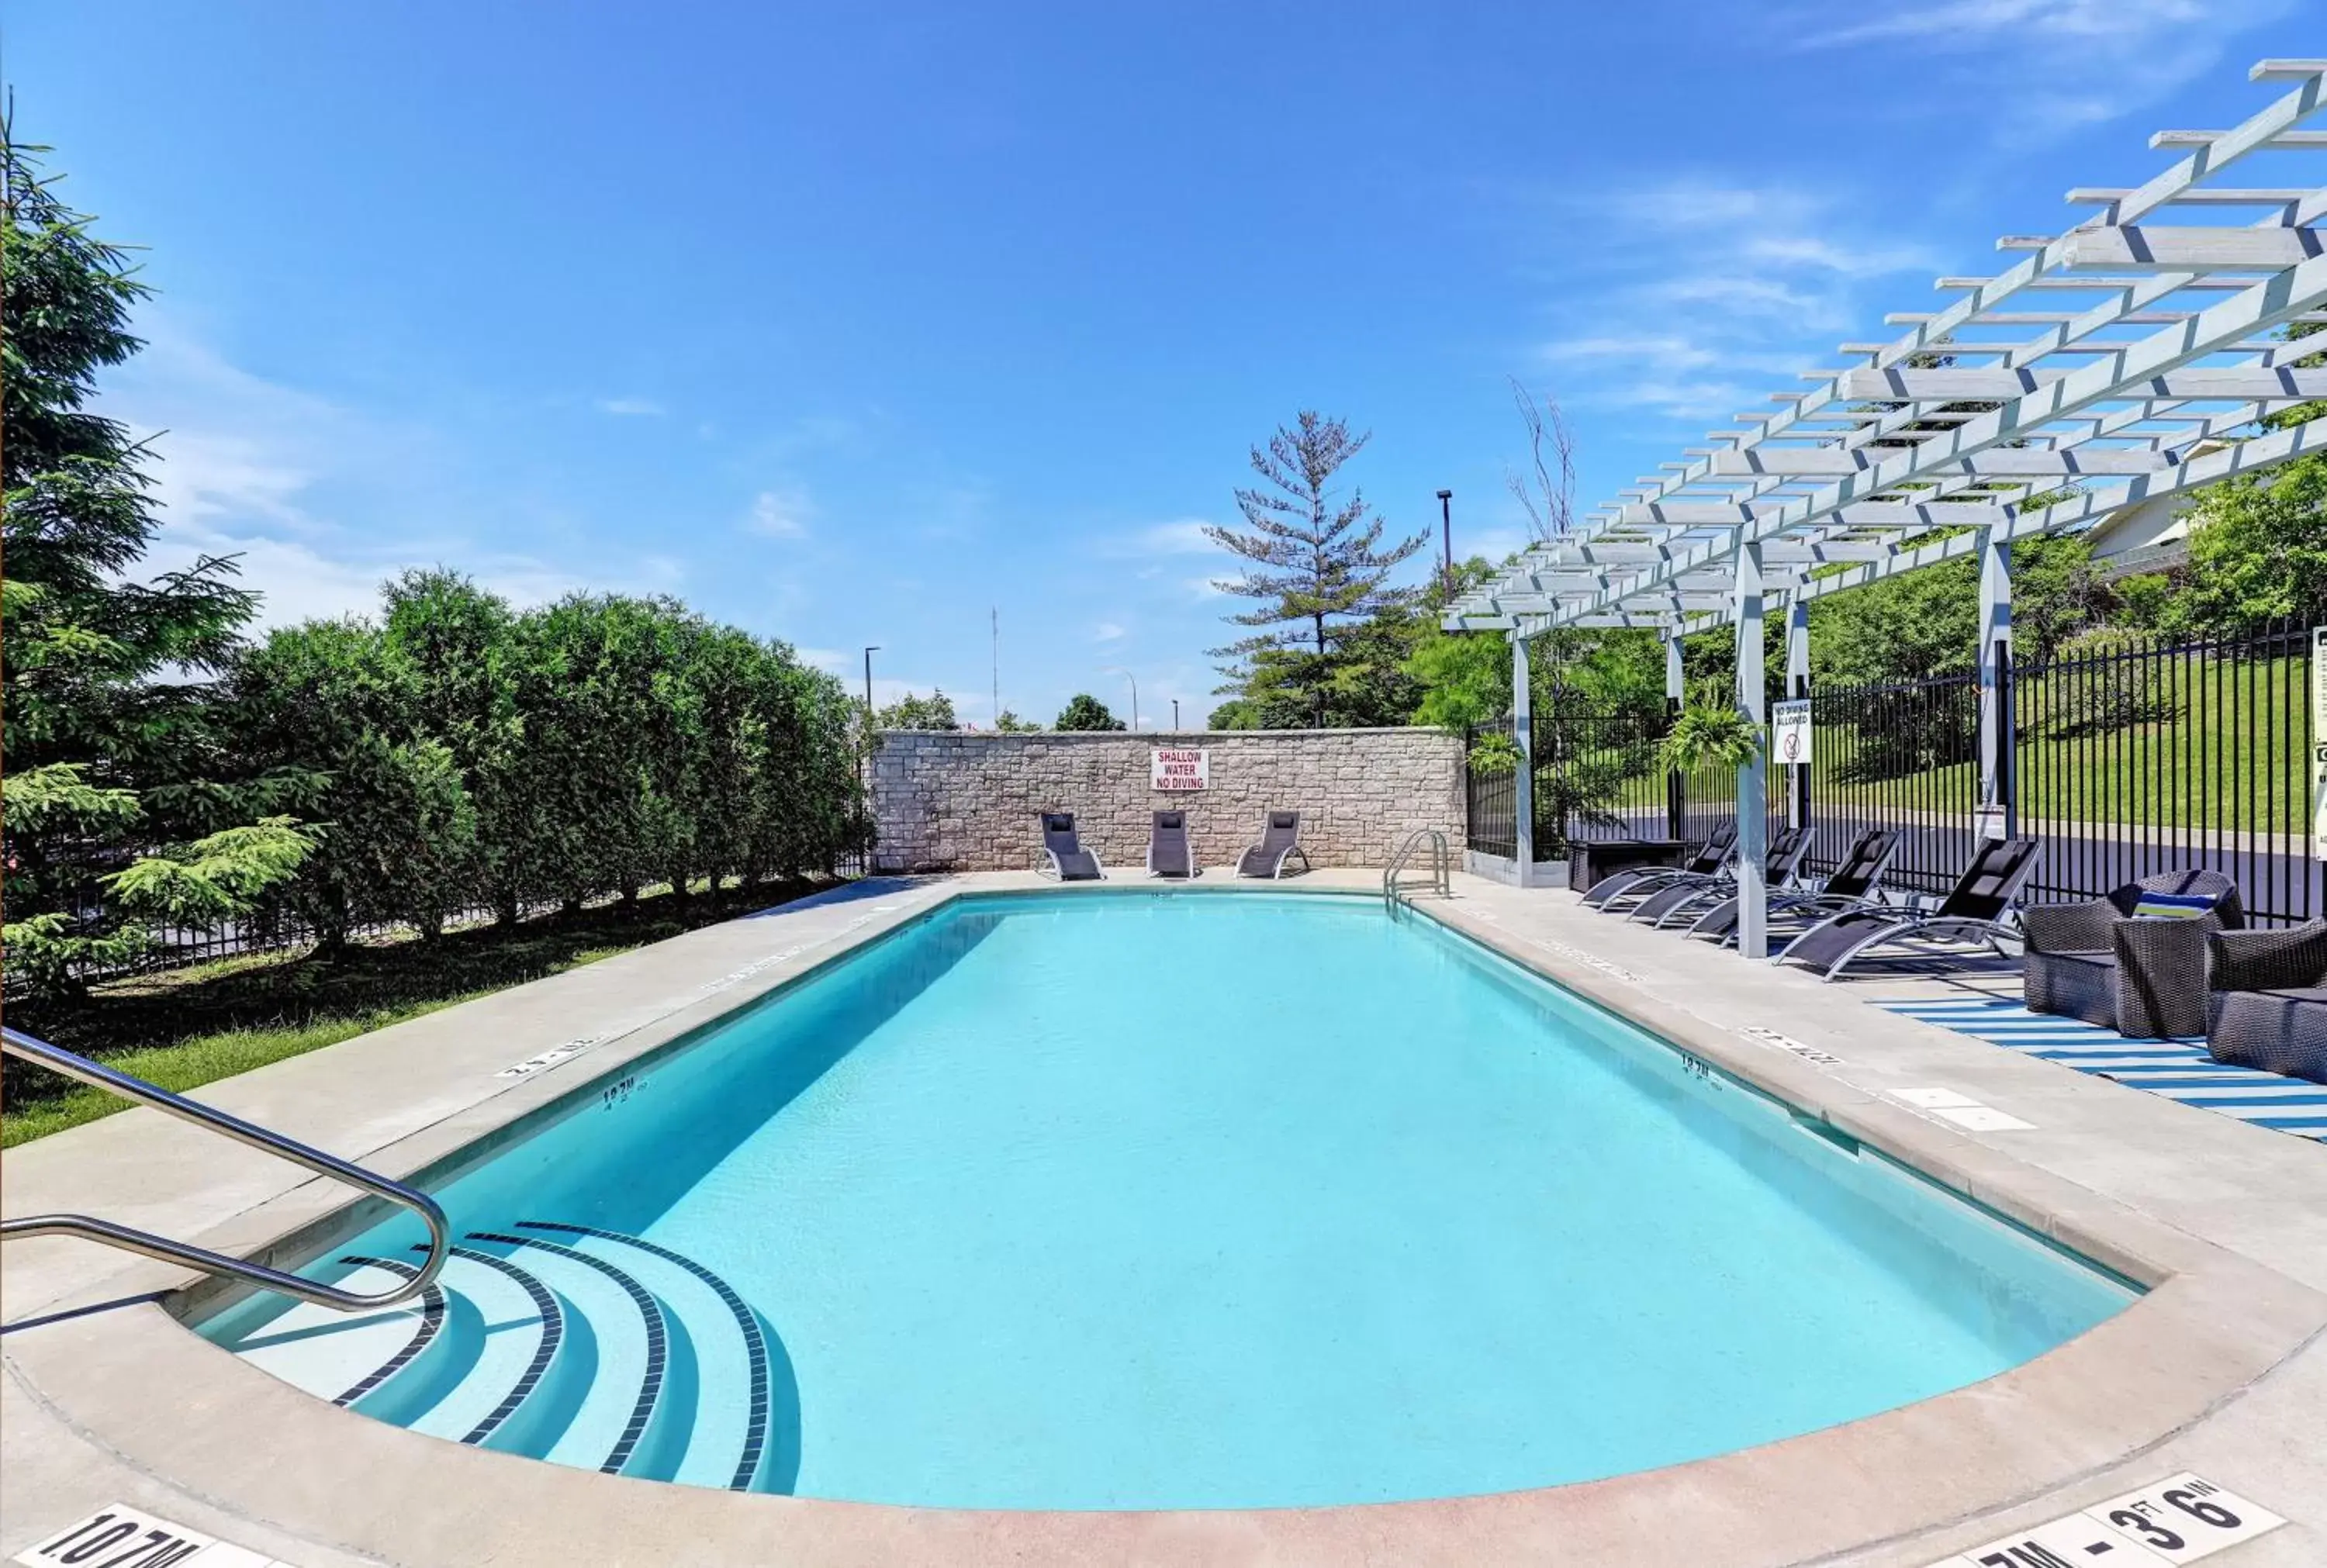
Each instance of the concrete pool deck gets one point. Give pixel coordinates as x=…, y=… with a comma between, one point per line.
x=2221, y=1369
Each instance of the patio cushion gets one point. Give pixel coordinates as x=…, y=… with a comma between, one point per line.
x=2152, y=905
x=2281, y=1031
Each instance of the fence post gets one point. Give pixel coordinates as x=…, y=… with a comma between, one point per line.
x=1753, y=779
x=1995, y=678
x=1676, y=788
x=1523, y=774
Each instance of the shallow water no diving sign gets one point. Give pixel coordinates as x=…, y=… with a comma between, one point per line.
x=2318, y=743
x=1174, y=768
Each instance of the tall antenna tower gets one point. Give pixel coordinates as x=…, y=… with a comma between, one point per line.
x=995, y=615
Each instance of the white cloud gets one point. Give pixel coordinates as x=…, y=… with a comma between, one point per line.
x=1685, y=331
x=1181, y=536
x=631, y=407
x=1184, y=537
x=1108, y=631
x=259, y=470
x=781, y=514
x=2039, y=65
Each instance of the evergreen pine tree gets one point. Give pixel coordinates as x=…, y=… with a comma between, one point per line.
x=1319, y=571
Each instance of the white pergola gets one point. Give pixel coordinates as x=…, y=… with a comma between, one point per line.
x=2125, y=359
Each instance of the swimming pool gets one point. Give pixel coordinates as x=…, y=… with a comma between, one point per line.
x=1174, y=1200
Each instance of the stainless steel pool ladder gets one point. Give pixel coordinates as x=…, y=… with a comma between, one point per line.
x=1442, y=868
x=15, y=1042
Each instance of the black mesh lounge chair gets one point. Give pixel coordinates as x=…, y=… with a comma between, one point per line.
x=2097, y=961
x=1637, y=881
x=1855, y=883
x=1280, y=838
x=1067, y=859
x=1168, y=851
x=1680, y=897
x=1971, y=916
x=2268, y=1005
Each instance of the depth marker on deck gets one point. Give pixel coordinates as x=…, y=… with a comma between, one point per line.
x=2180, y=1519
x=134, y=1538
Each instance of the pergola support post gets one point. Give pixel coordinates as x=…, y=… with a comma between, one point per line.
x=1523, y=776
x=1797, y=687
x=1676, y=799
x=1752, y=777
x=1996, y=726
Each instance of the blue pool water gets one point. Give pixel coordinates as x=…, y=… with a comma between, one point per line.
x=1177, y=1200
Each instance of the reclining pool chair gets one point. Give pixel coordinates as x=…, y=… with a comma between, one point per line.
x=1280, y=838
x=1852, y=886
x=1637, y=881
x=1971, y=916
x=1169, y=854
x=1680, y=897
x=2134, y=961
x=1067, y=859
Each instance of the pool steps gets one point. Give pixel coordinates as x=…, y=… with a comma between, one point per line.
x=581, y=1346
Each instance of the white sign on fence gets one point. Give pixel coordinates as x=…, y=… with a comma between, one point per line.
x=2318, y=743
x=1790, y=732
x=1176, y=767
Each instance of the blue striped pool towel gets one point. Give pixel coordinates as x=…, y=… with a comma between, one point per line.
x=2180, y=1069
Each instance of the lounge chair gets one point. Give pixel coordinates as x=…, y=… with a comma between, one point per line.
x=1067, y=859
x=1680, y=897
x=1972, y=915
x=1854, y=884
x=1637, y=881
x=1169, y=854
x=1280, y=838
x=2114, y=962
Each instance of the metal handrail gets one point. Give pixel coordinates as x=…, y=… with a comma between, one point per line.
x=15, y=1042
x=1442, y=871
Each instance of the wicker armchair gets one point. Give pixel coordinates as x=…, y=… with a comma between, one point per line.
x=2267, y=1007
x=2143, y=978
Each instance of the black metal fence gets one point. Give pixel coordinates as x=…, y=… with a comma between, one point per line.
x=2149, y=756
x=2128, y=757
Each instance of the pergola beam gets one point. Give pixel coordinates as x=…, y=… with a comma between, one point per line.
x=2283, y=384
x=2158, y=351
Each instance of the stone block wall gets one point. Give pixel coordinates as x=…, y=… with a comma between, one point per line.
x=945, y=801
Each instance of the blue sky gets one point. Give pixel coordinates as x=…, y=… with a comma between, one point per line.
x=847, y=325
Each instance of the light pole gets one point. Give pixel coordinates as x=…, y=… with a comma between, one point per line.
x=1118, y=669
x=1176, y=715
x=1447, y=534
x=869, y=652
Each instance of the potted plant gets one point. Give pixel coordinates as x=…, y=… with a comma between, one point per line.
x=1706, y=736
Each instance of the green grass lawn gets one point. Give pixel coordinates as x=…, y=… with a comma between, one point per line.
x=185, y=1028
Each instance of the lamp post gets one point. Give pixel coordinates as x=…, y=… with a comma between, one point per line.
x=1446, y=536
x=1176, y=715
x=869, y=652
x=1118, y=669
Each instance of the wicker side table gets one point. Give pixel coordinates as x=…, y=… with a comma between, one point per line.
x=2149, y=981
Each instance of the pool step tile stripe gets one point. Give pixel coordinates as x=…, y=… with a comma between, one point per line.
x=2180, y=1069
x=747, y=1325
x=555, y=1357
x=658, y=1353
x=326, y=1351
x=485, y=1278
x=431, y=1319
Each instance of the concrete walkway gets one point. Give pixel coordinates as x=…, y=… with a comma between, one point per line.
x=2221, y=1370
